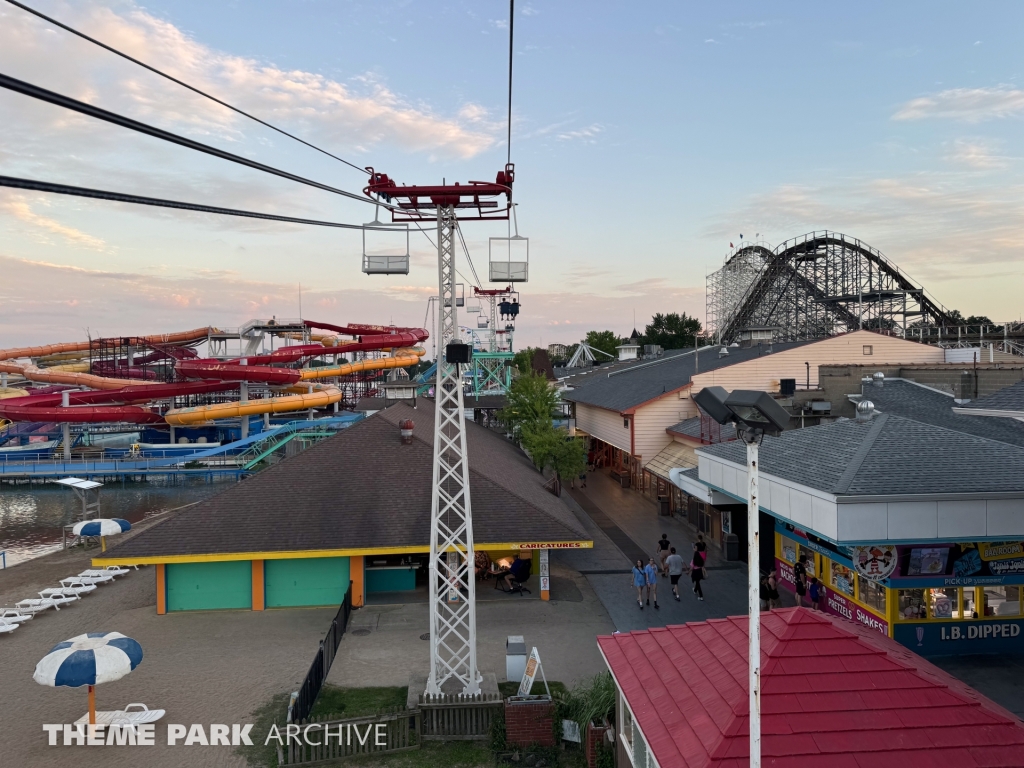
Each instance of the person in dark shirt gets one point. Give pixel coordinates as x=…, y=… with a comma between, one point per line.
x=800, y=575
x=815, y=593
x=519, y=570
x=700, y=546
x=663, y=547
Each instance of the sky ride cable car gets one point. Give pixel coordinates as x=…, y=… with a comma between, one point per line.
x=509, y=257
x=385, y=254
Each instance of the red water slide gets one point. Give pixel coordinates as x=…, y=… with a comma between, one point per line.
x=108, y=405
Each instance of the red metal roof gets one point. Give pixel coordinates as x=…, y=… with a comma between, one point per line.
x=833, y=694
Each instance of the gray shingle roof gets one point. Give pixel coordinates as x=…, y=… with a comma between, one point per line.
x=888, y=455
x=1009, y=398
x=691, y=428
x=364, y=489
x=913, y=401
x=642, y=382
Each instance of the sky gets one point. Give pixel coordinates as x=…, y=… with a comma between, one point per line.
x=646, y=137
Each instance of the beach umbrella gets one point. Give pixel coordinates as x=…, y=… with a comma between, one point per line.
x=102, y=527
x=98, y=657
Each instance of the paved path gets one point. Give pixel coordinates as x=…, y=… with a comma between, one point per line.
x=626, y=526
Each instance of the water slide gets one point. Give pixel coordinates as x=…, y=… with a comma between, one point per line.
x=132, y=401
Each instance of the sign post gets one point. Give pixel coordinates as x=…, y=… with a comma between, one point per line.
x=545, y=576
x=533, y=666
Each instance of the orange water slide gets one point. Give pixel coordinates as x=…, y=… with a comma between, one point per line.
x=51, y=376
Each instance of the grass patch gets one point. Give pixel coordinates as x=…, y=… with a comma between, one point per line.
x=358, y=702
x=450, y=754
x=512, y=688
x=274, y=711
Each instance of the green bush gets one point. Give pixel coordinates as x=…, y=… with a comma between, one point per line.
x=590, y=700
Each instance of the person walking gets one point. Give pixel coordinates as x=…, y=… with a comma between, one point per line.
x=800, y=576
x=700, y=546
x=639, y=580
x=651, y=574
x=675, y=565
x=663, y=547
x=773, y=590
x=697, y=574
x=583, y=479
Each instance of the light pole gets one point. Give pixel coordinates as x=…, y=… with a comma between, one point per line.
x=755, y=415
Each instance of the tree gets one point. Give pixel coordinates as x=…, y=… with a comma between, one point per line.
x=531, y=400
x=549, y=446
x=523, y=359
x=959, y=319
x=606, y=341
x=672, y=331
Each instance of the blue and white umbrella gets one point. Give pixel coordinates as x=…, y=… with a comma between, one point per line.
x=102, y=527
x=98, y=657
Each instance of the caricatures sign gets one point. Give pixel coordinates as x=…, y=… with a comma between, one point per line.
x=875, y=561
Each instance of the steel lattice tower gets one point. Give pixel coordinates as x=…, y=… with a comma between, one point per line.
x=452, y=582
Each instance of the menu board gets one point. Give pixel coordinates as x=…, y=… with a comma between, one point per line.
x=927, y=561
x=962, y=564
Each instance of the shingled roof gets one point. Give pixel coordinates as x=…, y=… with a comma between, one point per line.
x=1009, y=398
x=833, y=693
x=927, y=405
x=629, y=387
x=888, y=455
x=363, y=489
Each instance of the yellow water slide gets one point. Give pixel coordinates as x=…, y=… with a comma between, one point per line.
x=301, y=397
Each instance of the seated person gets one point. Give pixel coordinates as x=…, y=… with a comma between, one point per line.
x=482, y=564
x=519, y=570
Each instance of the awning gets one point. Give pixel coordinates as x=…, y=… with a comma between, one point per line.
x=675, y=455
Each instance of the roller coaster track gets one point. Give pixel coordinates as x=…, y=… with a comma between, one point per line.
x=817, y=285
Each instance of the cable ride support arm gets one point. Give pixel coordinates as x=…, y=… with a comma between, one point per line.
x=422, y=201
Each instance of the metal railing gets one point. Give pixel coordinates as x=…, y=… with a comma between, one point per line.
x=322, y=662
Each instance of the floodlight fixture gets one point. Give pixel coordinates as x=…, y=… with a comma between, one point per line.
x=712, y=401
x=757, y=411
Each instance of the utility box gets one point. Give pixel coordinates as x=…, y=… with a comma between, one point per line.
x=515, y=658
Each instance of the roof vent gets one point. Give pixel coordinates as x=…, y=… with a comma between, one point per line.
x=723, y=352
x=878, y=379
x=865, y=410
x=406, y=426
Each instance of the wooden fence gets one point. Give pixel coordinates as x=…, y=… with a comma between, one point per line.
x=318, y=740
x=458, y=718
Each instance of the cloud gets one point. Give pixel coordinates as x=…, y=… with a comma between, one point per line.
x=977, y=154
x=19, y=208
x=115, y=303
x=361, y=112
x=529, y=10
x=587, y=135
x=712, y=41
x=970, y=105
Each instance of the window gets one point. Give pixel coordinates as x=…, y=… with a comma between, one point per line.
x=911, y=604
x=1002, y=601
x=868, y=350
x=625, y=423
x=842, y=579
x=789, y=549
x=944, y=603
x=970, y=608
x=626, y=729
x=871, y=594
x=703, y=518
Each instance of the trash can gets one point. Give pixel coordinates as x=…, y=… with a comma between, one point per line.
x=663, y=506
x=732, y=546
x=515, y=658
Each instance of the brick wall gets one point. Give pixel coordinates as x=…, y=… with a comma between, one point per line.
x=530, y=722
x=595, y=739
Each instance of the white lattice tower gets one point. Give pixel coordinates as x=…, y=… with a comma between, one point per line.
x=452, y=582
x=494, y=323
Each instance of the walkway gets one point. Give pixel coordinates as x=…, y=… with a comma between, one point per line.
x=626, y=526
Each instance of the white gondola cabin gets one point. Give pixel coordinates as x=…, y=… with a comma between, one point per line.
x=387, y=252
x=509, y=259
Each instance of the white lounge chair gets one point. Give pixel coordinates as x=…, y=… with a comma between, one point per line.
x=13, y=616
x=68, y=588
x=133, y=714
x=6, y=626
x=94, y=577
x=118, y=570
x=34, y=605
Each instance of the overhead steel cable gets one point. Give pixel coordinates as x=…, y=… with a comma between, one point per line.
x=183, y=84
x=51, y=97
x=121, y=197
x=511, y=25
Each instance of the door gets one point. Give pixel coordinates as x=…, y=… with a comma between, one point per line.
x=209, y=586
x=306, y=581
